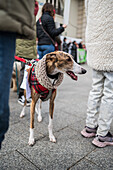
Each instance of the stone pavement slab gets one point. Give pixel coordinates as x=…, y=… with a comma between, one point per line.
x=103, y=157
x=14, y=161
x=70, y=147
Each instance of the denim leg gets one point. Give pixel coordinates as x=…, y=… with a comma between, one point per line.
x=40, y=53
x=95, y=99
x=49, y=49
x=7, y=51
x=45, y=49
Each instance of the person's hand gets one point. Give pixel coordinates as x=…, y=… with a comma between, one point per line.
x=64, y=25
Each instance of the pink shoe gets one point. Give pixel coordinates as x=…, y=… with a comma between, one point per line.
x=88, y=132
x=102, y=141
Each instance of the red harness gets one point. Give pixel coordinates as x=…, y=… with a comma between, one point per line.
x=44, y=92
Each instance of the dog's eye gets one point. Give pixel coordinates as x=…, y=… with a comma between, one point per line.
x=68, y=59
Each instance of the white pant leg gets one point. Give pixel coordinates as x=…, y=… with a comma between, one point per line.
x=106, y=109
x=23, y=85
x=95, y=99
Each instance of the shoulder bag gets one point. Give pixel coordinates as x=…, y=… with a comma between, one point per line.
x=54, y=42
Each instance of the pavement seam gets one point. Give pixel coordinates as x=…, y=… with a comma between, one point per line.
x=80, y=160
x=94, y=163
x=27, y=159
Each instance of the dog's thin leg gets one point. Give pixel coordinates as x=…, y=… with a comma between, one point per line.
x=38, y=111
x=22, y=114
x=14, y=85
x=50, y=126
x=32, y=111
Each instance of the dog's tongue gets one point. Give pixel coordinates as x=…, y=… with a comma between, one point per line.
x=72, y=75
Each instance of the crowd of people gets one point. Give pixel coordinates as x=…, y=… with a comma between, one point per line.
x=72, y=47
x=47, y=36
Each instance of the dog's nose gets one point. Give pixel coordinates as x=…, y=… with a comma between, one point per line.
x=83, y=71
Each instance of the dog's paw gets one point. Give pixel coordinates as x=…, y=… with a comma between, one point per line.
x=52, y=139
x=39, y=118
x=22, y=114
x=31, y=141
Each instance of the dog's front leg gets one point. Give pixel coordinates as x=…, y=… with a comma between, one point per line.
x=22, y=114
x=32, y=111
x=50, y=126
x=38, y=111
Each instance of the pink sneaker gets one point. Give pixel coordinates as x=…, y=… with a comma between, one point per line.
x=102, y=141
x=88, y=132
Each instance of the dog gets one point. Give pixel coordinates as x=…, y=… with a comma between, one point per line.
x=15, y=75
x=48, y=72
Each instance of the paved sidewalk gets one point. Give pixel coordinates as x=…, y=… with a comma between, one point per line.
x=71, y=151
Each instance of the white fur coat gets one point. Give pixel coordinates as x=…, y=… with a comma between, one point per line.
x=99, y=34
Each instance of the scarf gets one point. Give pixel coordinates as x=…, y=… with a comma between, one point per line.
x=41, y=74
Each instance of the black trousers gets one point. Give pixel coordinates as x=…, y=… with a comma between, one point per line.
x=21, y=91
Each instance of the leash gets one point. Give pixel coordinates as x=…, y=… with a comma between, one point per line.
x=30, y=63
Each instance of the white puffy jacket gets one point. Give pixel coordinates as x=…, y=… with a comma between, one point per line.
x=99, y=34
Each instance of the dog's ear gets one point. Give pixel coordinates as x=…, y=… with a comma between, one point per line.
x=51, y=57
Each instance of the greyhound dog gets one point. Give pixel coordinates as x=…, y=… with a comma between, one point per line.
x=44, y=78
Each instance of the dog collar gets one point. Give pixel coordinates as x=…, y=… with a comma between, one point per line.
x=53, y=76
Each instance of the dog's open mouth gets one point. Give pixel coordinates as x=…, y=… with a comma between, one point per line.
x=72, y=75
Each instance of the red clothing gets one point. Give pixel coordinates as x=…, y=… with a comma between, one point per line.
x=44, y=92
x=36, y=8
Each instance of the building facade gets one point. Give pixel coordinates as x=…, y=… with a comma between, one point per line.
x=70, y=12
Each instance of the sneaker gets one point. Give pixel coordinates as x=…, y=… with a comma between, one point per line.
x=21, y=100
x=28, y=102
x=102, y=141
x=88, y=132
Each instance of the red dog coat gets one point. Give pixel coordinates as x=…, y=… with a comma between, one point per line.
x=44, y=92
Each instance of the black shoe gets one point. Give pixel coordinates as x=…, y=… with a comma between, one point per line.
x=21, y=100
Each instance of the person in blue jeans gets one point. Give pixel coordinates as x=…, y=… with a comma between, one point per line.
x=17, y=24
x=7, y=51
x=46, y=31
x=44, y=49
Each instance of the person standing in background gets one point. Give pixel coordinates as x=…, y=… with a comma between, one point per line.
x=80, y=45
x=46, y=31
x=26, y=49
x=99, y=44
x=66, y=45
x=74, y=50
x=16, y=20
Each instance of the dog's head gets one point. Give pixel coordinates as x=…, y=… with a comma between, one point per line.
x=59, y=61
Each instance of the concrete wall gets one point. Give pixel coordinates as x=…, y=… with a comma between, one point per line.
x=71, y=30
x=81, y=20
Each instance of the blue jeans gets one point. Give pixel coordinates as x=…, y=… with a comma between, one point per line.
x=45, y=49
x=7, y=52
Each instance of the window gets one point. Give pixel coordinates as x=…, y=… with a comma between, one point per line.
x=58, y=5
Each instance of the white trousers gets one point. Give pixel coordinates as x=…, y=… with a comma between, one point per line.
x=100, y=102
x=25, y=84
